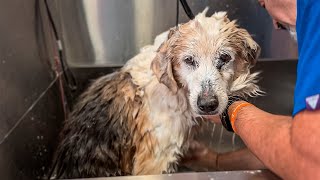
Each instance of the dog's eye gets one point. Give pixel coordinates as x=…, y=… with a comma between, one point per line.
x=220, y=64
x=190, y=61
x=225, y=58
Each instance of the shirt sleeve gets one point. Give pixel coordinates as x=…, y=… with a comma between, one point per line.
x=308, y=69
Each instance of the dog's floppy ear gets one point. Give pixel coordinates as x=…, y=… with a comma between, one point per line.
x=247, y=49
x=251, y=49
x=162, y=66
x=244, y=83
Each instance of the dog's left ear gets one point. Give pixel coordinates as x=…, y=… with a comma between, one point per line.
x=248, y=51
x=162, y=66
x=251, y=50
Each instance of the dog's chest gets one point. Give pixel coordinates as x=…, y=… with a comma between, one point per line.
x=170, y=118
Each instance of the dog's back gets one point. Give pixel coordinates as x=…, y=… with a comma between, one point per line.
x=97, y=139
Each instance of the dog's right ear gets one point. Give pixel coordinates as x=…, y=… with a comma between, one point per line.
x=162, y=66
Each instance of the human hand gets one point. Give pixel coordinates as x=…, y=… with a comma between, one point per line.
x=200, y=157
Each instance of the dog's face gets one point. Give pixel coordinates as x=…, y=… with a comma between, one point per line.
x=205, y=56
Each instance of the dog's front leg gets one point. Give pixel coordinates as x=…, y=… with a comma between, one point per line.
x=146, y=160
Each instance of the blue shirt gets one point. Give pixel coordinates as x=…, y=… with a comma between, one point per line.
x=308, y=70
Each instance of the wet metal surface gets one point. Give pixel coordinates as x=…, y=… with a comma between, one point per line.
x=108, y=33
x=278, y=81
x=27, y=152
x=24, y=73
x=226, y=175
x=30, y=108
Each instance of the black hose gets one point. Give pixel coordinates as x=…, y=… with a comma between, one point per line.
x=66, y=71
x=177, y=15
x=187, y=9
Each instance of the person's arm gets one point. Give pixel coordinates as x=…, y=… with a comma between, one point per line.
x=289, y=147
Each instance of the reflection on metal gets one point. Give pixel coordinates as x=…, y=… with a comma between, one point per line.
x=226, y=175
x=108, y=33
x=30, y=107
x=233, y=141
x=213, y=128
x=220, y=137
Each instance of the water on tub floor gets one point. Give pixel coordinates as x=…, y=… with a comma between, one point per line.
x=218, y=138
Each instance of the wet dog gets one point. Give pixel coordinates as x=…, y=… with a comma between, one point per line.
x=138, y=120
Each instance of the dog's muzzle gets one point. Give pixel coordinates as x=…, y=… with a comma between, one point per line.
x=207, y=105
x=207, y=101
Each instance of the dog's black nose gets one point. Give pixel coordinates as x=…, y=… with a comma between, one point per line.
x=208, y=104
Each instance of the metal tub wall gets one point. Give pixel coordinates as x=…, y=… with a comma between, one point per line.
x=109, y=32
x=31, y=112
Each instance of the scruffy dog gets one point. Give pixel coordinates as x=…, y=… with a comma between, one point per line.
x=138, y=120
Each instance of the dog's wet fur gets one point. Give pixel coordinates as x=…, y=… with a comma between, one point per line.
x=138, y=120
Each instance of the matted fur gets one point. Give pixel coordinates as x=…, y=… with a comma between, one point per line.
x=139, y=119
